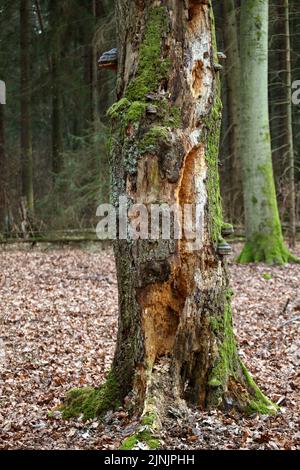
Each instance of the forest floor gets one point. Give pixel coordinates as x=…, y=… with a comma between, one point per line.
x=58, y=317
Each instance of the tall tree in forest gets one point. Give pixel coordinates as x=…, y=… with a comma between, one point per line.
x=264, y=240
x=3, y=173
x=233, y=78
x=175, y=340
x=56, y=19
x=288, y=115
x=26, y=129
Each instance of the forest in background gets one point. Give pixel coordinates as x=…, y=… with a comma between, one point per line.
x=54, y=132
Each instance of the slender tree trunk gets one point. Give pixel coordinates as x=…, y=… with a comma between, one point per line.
x=264, y=240
x=175, y=340
x=94, y=77
x=233, y=79
x=26, y=131
x=289, y=127
x=57, y=106
x=3, y=174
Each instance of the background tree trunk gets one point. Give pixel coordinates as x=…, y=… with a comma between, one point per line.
x=57, y=105
x=264, y=241
x=289, y=126
x=233, y=79
x=26, y=131
x=3, y=174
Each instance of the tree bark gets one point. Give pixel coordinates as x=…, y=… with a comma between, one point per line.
x=233, y=79
x=289, y=127
x=264, y=240
x=175, y=340
x=57, y=106
x=3, y=174
x=26, y=130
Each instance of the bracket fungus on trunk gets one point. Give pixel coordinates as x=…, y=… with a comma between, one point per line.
x=109, y=60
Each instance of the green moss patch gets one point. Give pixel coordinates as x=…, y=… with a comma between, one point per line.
x=259, y=403
x=152, y=69
x=155, y=136
x=228, y=360
x=212, y=134
x=144, y=434
x=118, y=108
x=91, y=402
x=267, y=248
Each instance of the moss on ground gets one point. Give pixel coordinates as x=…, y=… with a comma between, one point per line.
x=90, y=402
x=144, y=434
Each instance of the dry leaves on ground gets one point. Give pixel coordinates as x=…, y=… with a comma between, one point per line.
x=58, y=316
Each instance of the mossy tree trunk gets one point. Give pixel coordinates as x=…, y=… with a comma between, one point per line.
x=175, y=341
x=264, y=240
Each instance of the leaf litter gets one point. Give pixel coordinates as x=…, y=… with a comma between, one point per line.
x=58, y=317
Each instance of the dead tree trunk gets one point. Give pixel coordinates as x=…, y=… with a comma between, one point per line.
x=175, y=340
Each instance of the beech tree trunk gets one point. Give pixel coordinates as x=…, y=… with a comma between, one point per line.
x=175, y=341
x=264, y=240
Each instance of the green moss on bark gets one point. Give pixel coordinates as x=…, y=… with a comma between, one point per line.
x=212, y=135
x=266, y=248
x=152, y=138
x=90, y=402
x=259, y=403
x=118, y=108
x=152, y=68
x=229, y=373
x=227, y=362
x=267, y=245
